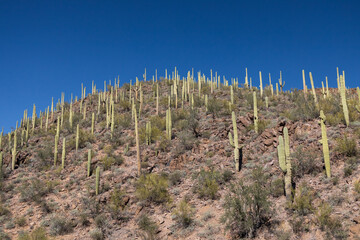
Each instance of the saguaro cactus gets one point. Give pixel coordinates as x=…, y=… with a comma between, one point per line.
x=235, y=144
x=63, y=153
x=56, y=149
x=313, y=88
x=77, y=138
x=255, y=113
x=281, y=154
x=283, y=149
x=343, y=100
x=89, y=163
x=97, y=182
x=137, y=144
x=261, y=85
x=157, y=98
x=14, y=152
x=324, y=142
x=148, y=133
x=288, y=186
x=1, y=161
x=281, y=82
x=168, y=124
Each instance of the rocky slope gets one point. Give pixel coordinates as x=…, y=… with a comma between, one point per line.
x=192, y=172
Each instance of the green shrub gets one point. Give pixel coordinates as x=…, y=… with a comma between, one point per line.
x=175, y=178
x=35, y=189
x=214, y=106
x=331, y=225
x=97, y=234
x=100, y=221
x=303, y=199
x=277, y=187
x=227, y=175
x=84, y=137
x=60, y=226
x=184, y=213
x=38, y=234
x=357, y=186
x=149, y=227
x=152, y=188
x=247, y=207
x=117, y=203
x=20, y=221
x=207, y=184
x=303, y=163
x=346, y=146
x=3, y=210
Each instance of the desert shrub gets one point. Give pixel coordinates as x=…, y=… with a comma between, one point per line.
x=277, y=187
x=60, y=226
x=193, y=123
x=35, y=190
x=45, y=155
x=247, y=207
x=357, y=186
x=346, y=146
x=97, y=234
x=149, y=227
x=214, y=106
x=175, y=178
x=304, y=109
x=126, y=105
x=331, y=225
x=152, y=188
x=164, y=144
x=117, y=203
x=298, y=224
x=303, y=200
x=100, y=221
x=155, y=134
x=20, y=221
x=187, y=141
x=3, y=210
x=227, y=175
x=38, y=234
x=158, y=122
x=303, y=163
x=84, y=137
x=262, y=124
x=83, y=218
x=184, y=213
x=207, y=183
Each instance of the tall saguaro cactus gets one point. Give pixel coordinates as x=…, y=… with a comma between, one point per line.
x=235, y=144
x=313, y=88
x=261, y=85
x=343, y=99
x=137, y=144
x=255, y=113
x=63, y=154
x=14, y=152
x=283, y=150
x=324, y=142
x=77, y=138
x=89, y=163
x=56, y=149
x=97, y=181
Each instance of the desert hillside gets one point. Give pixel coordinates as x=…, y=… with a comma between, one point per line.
x=193, y=157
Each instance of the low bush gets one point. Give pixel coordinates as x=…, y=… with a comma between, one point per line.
x=60, y=226
x=184, y=213
x=303, y=200
x=346, y=146
x=207, y=183
x=149, y=227
x=38, y=234
x=331, y=225
x=247, y=207
x=153, y=188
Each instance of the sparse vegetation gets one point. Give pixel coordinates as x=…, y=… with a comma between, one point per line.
x=247, y=206
x=152, y=188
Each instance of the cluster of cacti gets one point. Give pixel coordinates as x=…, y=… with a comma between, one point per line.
x=283, y=150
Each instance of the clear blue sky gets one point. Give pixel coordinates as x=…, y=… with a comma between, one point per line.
x=47, y=47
